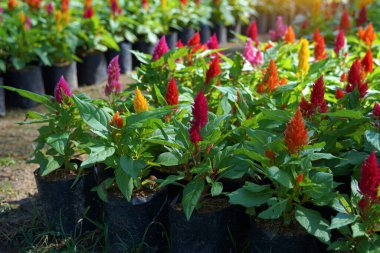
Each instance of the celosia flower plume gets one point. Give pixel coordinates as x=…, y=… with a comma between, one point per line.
x=145, y=4
x=355, y=79
x=368, y=35
x=252, y=55
x=290, y=36
x=376, y=110
x=271, y=80
x=12, y=4
x=316, y=34
x=296, y=133
x=345, y=21
x=212, y=42
x=113, y=84
x=179, y=44
x=339, y=42
x=319, y=48
x=367, y=62
x=339, y=94
x=62, y=90
x=160, y=49
x=88, y=11
x=303, y=58
x=115, y=7
x=139, y=102
x=171, y=95
x=317, y=100
x=195, y=137
x=49, y=8
x=280, y=30
x=116, y=121
x=370, y=178
x=252, y=33
x=213, y=71
x=199, y=111
x=362, y=16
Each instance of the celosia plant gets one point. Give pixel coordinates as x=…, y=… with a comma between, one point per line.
x=296, y=133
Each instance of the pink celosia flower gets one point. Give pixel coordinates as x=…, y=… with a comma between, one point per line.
x=212, y=42
x=28, y=23
x=252, y=55
x=62, y=88
x=113, y=84
x=280, y=30
x=160, y=49
x=179, y=44
x=339, y=42
x=49, y=8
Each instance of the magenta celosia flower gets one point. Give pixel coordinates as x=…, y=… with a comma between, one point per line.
x=199, y=110
x=362, y=17
x=160, y=49
x=88, y=13
x=212, y=42
x=339, y=42
x=252, y=55
x=376, y=110
x=113, y=84
x=28, y=23
x=62, y=88
x=317, y=97
x=179, y=44
x=195, y=137
x=280, y=30
x=49, y=8
x=370, y=177
x=115, y=8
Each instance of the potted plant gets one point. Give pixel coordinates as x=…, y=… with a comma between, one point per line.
x=287, y=190
x=58, y=147
x=94, y=40
x=23, y=53
x=120, y=26
x=358, y=214
x=200, y=217
x=134, y=206
x=60, y=43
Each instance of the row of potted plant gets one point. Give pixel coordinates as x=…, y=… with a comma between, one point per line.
x=287, y=129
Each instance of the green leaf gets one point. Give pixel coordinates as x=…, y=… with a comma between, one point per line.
x=275, y=210
x=313, y=222
x=102, y=187
x=51, y=164
x=58, y=142
x=131, y=167
x=191, y=194
x=249, y=199
x=124, y=182
x=281, y=177
x=95, y=117
x=345, y=114
x=252, y=187
x=167, y=159
x=216, y=188
x=341, y=220
x=31, y=95
x=98, y=154
x=358, y=230
x=171, y=179
x=373, y=138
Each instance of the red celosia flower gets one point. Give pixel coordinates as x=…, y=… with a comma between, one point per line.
x=305, y=24
x=343, y=77
x=269, y=154
x=376, y=110
x=61, y=89
x=213, y=71
x=171, y=95
x=212, y=42
x=345, y=21
x=316, y=35
x=317, y=97
x=271, y=77
x=49, y=8
x=252, y=32
x=319, y=48
x=12, y=4
x=339, y=42
x=367, y=62
x=88, y=12
x=115, y=8
x=339, y=94
x=370, y=177
x=160, y=49
x=299, y=179
x=113, y=71
x=296, y=133
x=116, y=121
x=145, y=4
x=354, y=79
x=195, y=137
x=306, y=108
x=261, y=88
x=199, y=110
x=195, y=40
x=290, y=36
x=368, y=35
x=184, y=2
x=179, y=44
x=362, y=17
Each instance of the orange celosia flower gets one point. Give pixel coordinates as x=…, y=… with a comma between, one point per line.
x=261, y=88
x=299, y=179
x=58, y=20
x=12, y=4
x=271, y=76
x=267, y=46
x=319, y=48
x=283, y=81
x=296, y=133
x=270, y=154
x=116, y=121
x=368, y=35
x=289, y=36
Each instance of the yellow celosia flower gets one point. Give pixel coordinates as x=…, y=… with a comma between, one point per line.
x=21, y=17
x=58, y=20
x=139, y=103
x=163, y=4
x=303, y=58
